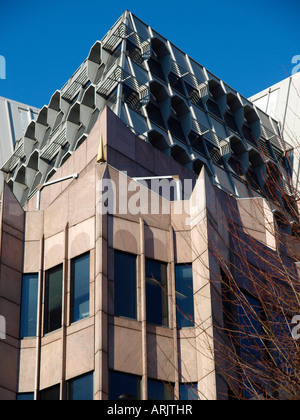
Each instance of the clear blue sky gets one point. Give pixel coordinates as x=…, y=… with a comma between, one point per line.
x=248, y=44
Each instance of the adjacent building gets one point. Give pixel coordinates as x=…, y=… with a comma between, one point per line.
x=282, y=102
x=14, y=119
x=117, y=213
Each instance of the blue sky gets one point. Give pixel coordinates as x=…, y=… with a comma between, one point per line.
x=250, y=45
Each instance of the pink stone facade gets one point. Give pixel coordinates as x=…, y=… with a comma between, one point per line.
x=68, y=225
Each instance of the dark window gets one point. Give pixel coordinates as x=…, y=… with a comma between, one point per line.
x=131, y=97
x=184, y=296
x=124, y=387
x=28, y=396
x=157, y=293
x=160, y=391
x=125, y=283
x=82, y=388
x=176, y=83
x=194, y=96
x=156, y=69
x=231, y=122
x=235, y=166
x=249, y=135
x=251, y=331
x=253, y=180
x=53, y=299
x=188, y=391
x=134, y=53
x=213, y=107
x=80, y=288
x=155, y=115
x=50, y=394
x=176, y=129
x=215, y=155
x=30, y=285
x=197, y=142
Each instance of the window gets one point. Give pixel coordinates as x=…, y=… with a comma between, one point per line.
x=250, y=318
x=184, y=295
x=50, y=394
x=80, y=288
x=53, y=299
x=158, y=390
x=188, y=391
x=30, y=285
x=124, y=387
x=213, y=107
x=157, y=293
x=125, y=301
x=28, y=396
x=82, y=388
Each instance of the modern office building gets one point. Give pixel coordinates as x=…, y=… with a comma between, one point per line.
x=116, y=200
x=282, y=102
x=14, y=119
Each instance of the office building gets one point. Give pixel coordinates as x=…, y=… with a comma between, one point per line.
x=116, y=200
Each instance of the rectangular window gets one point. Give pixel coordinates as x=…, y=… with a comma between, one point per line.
x=160, y=391
x=184, y=295
x=125, y=285
x=80, y=288
x=53, y=299
x=50, y=394
x=28, y=396
x=157, y=293
x=188, y=391
x=82, y=388
x=251, y=330
x=124, y=387
x=30, y=286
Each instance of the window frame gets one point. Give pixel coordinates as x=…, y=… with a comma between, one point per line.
x=135, y=286
x=192, y=320
x=47, y=329
x=167, y=289
x=72, y=287
x=22, y=336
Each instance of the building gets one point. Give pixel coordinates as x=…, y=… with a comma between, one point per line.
x=14, y=119
x=118, y=208
x=281, y=102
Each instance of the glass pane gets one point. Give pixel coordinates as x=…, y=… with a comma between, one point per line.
x=29, y=305
x=29, y=396
x=188, y=391
x=81, y=288
x=53, y=304
x=184, y=296
x=50, y=394
x=124, y=387
x=157, y=293
x=251, y=332
x=125, y=300
x=158, y=390
x=82, y=389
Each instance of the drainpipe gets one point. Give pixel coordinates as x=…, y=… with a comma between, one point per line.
x=47, y=184
x=174, y=177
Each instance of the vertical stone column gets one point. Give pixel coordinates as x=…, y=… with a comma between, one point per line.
x=172, y=304
x=65, y=306
x=142, y=283
x=101, y=300
x=39, y=320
